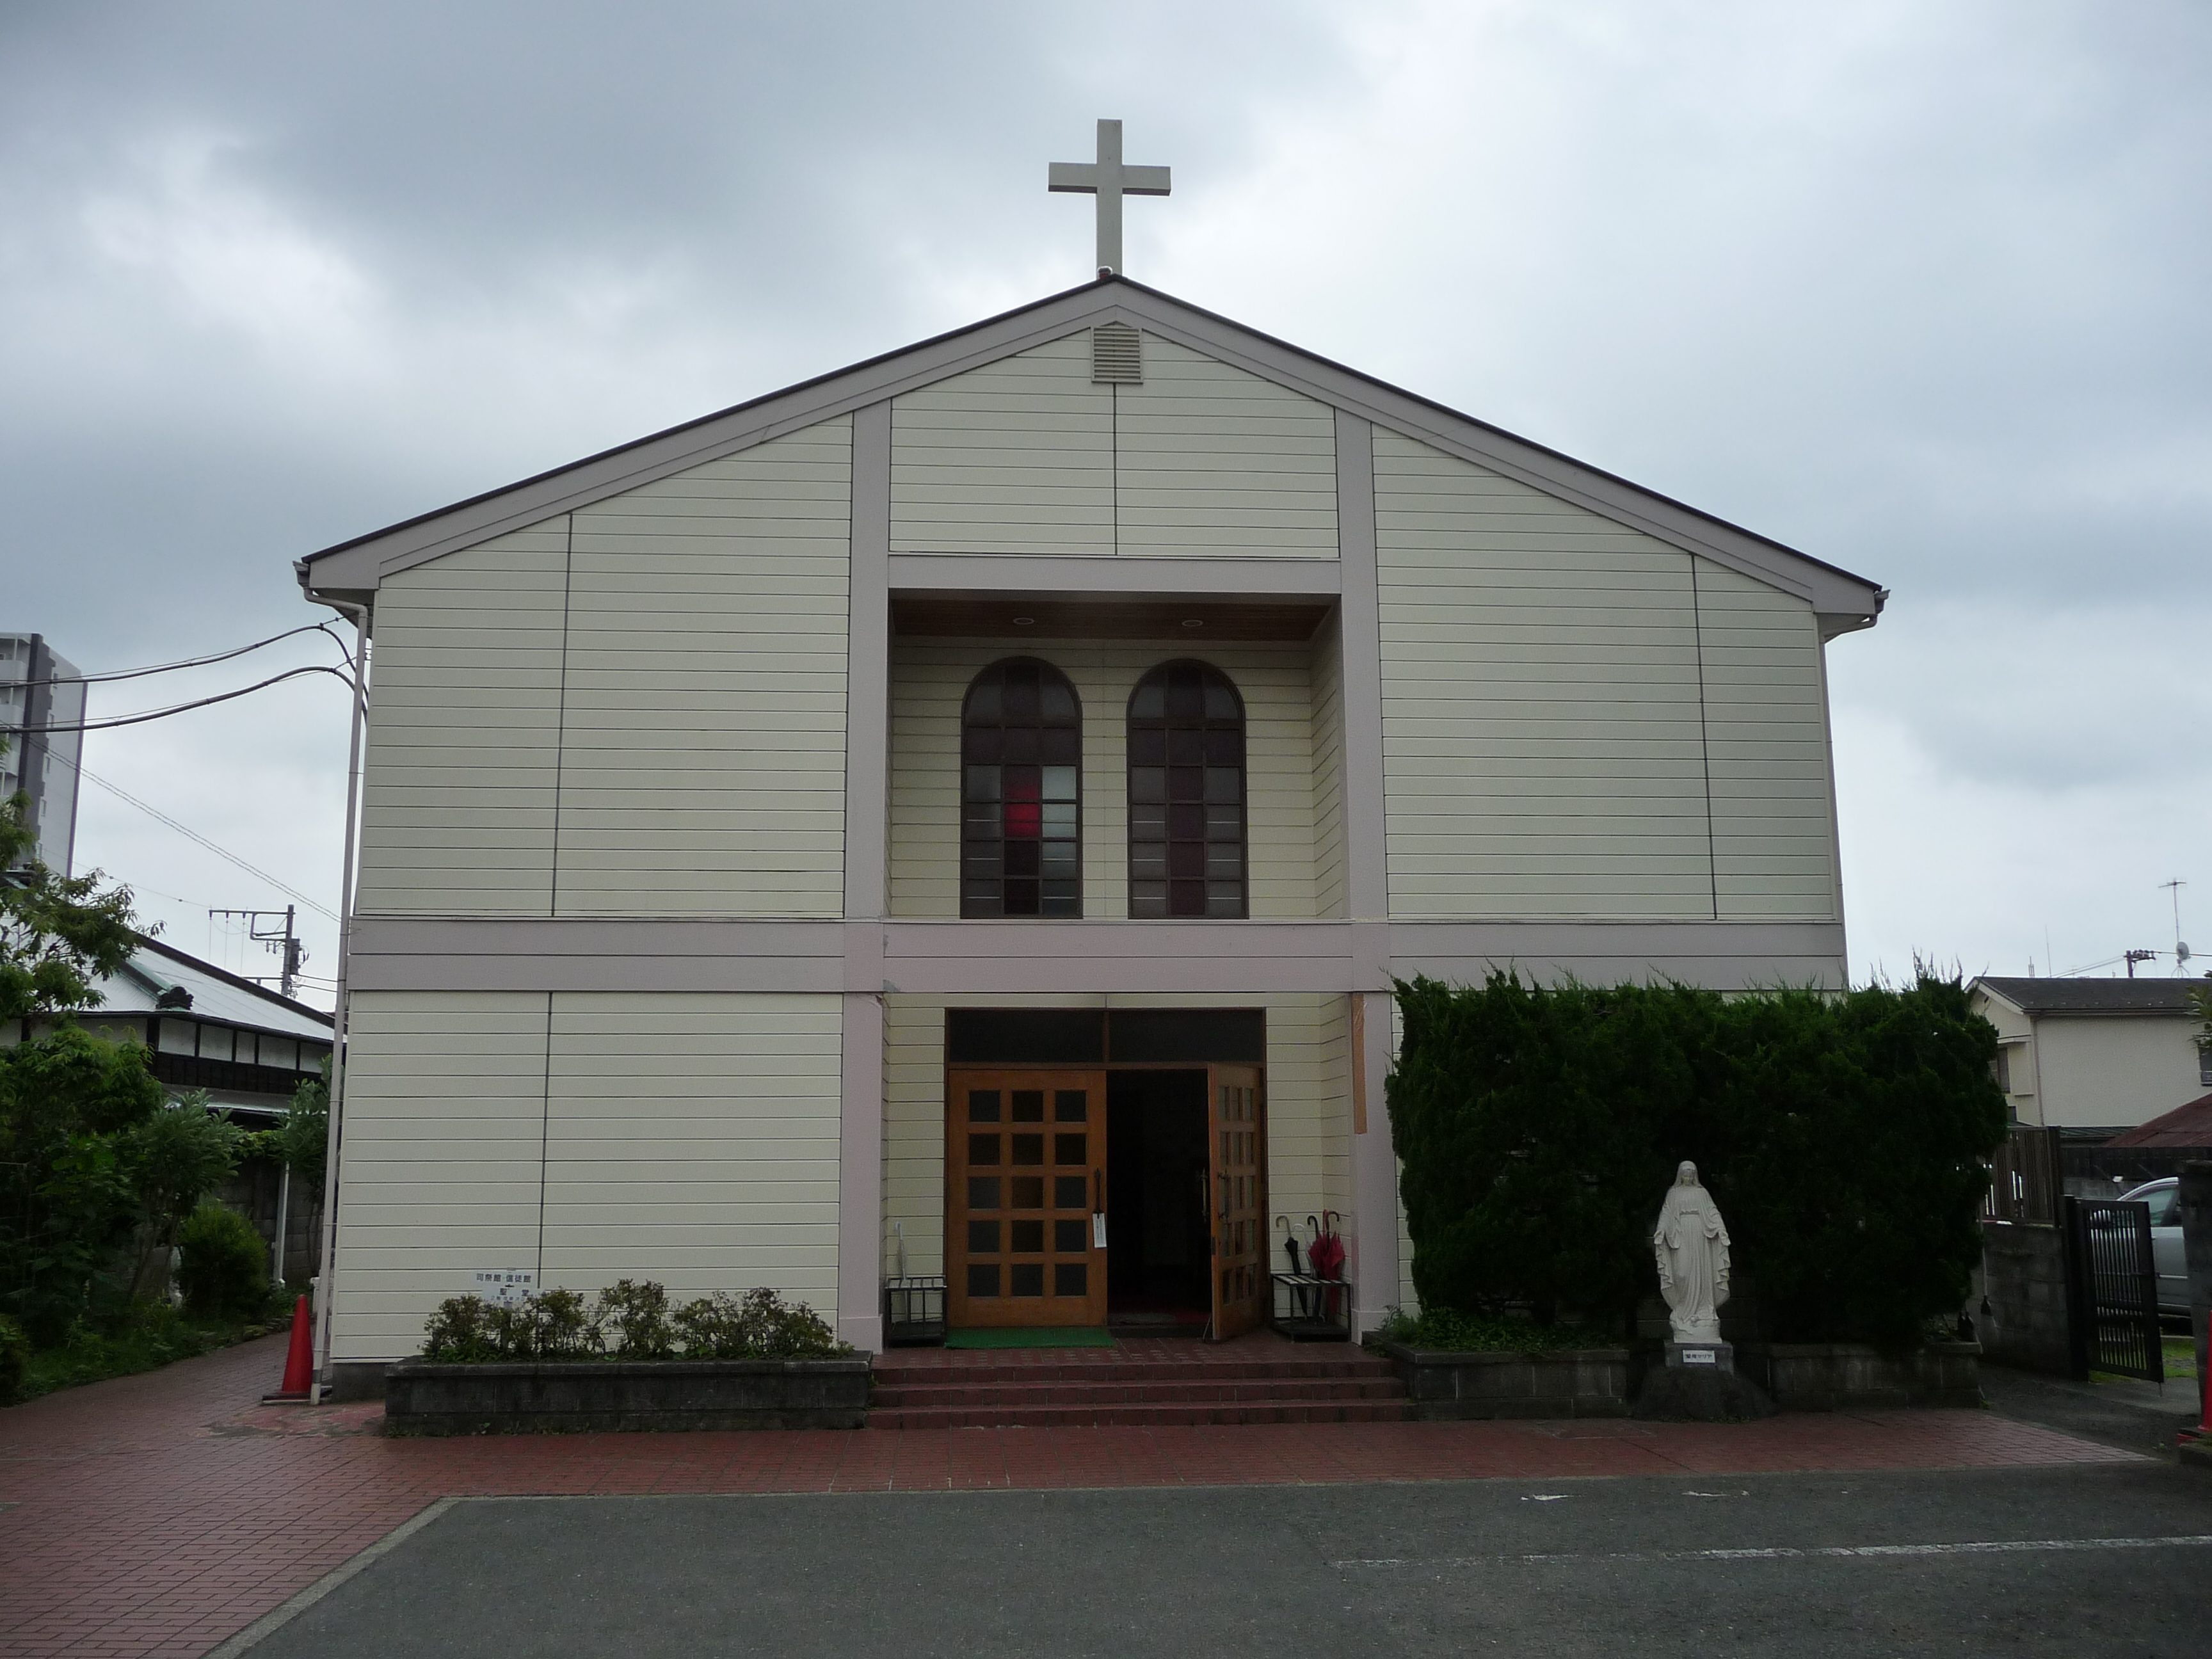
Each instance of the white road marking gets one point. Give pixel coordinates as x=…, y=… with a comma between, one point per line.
x=1999, y=1547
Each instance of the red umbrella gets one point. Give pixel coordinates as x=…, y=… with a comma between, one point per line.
x=1326, y=1253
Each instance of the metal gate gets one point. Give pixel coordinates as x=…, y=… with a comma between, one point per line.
x=2111, y=1290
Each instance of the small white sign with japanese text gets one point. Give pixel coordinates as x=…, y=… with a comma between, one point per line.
x=505, y=1286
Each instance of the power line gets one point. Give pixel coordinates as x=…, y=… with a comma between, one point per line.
x=188, y=662
x=155, y=813
x=183, y=707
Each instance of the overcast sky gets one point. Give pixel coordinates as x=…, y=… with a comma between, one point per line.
x=1917, y=288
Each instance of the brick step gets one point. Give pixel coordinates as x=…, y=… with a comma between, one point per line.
x=1154, y=1416
x=963, y=1395
x=889, y=1369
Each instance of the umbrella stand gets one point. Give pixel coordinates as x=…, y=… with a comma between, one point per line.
x=1308, y=1304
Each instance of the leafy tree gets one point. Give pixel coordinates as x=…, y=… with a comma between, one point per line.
x=177, y=1156
x=304, y=1140
x=67, y=1203
x=58, y=934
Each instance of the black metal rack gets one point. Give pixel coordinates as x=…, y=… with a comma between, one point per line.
x=1307, y=1308
x=913, y=1310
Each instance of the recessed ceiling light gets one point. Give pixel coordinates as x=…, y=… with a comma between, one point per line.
x=1193, y=621
x=1024, y=622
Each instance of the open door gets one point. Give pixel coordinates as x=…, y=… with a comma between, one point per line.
x=1237, y=1198
x=1024, y=1197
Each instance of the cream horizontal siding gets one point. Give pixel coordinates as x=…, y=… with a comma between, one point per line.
x=1216, y=462
x=1025, y=455
x=1015, y=457
x=1767, y=741
x=930, y=679
x=688, y=1138
x=702, y=755
x=1327, y=726
x=1309, y=1108
x=1542, y=749
x=445, y=1112
x=465, y=715
x=692, y=1139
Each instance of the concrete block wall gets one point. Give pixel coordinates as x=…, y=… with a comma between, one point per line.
x=2019, y=1298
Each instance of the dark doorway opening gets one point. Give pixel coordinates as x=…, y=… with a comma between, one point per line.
x=1157, y=1261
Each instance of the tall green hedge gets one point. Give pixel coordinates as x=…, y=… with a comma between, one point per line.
x=1843, y=1138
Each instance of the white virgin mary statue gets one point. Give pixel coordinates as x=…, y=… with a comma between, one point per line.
x=1692, y=1244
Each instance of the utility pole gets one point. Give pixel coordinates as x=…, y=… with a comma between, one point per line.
x=2135, y=956
x=283, y=944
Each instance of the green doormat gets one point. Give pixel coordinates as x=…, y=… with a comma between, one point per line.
x=1046, y=1336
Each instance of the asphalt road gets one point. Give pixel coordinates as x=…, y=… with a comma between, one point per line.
x=1644, y=1566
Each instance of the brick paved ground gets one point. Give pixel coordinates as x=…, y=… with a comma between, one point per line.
x=155, y=1515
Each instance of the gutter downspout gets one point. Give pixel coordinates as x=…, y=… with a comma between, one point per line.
x=326, y=1286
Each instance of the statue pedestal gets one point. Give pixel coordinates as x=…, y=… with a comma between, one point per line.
x=1699, y=1384
x=1701, y=1356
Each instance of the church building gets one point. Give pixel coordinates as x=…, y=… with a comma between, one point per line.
x=962, y=815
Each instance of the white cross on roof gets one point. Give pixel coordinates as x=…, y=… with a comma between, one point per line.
x=1109, y=180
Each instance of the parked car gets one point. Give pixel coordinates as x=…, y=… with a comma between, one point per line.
x=2164, y=1198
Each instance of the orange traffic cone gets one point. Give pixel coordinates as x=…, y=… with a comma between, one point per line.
x=300, y=1361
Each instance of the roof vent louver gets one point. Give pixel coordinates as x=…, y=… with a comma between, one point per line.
x=1117, y=355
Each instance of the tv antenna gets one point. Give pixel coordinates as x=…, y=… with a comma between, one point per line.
x=2181, y=951
x=282, y=943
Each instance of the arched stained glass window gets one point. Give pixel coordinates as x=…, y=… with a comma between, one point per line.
x=1186, y=793
x=1021, y=807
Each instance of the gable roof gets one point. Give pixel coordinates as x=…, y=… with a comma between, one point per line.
x=2188, y=1125
x=351, y=570
x=216, y=994
x=2094, y=996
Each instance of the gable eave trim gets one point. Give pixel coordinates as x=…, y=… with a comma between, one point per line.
x=351, y=568
x=361, y=563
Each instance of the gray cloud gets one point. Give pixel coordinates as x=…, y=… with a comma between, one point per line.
x=1916, y=288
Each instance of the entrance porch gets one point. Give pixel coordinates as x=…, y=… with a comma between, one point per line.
x=1135, y=1381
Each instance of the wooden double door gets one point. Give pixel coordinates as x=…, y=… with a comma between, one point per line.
x=1028, y=1207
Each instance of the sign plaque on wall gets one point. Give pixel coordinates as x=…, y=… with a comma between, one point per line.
x=505, y=1286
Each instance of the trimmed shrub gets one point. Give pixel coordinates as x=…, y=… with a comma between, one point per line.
x=459, y=1332
x=628, y=1321
x=633, y=1320
x=760, y=1327
x=14, y=1359
x=1440, y=1330
x=223, y=1265
x=1843, y=1137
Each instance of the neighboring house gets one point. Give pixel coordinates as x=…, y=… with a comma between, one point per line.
x=2094, y=1054
x=208, y=1028
x=971, y=806
x=249, y=1048
x=40, y=690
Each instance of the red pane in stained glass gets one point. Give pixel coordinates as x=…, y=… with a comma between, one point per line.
x=1024, y=820
x=1023, y=783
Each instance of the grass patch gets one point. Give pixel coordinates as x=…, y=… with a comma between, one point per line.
x=149, y=1339
x=1443, y=1331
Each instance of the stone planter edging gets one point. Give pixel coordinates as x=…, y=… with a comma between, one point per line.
x=1826, y=1377
x=583, y=1396
x=1461, y=1387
